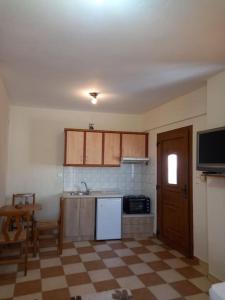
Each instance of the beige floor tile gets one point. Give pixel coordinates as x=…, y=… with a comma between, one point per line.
x=155, y=248
x=141, y=268
x=100, y=275
x=82, y=244
x=164, y=292
x=175, y=263
x=31, y=275
x=170, y=275
x=202, y=283
x=202, y=296
x=52, y=283
x=50, y=262
x=37, y=296
x=83, y=289
x=113, y=262
x=157, y=241
x=130, y=282
x=69, y=252
x=7, y=291
x=124, y=252
x=148, y=257
x=89, y=257
x=202, y=268
x=132, y=244
x=74, y=268
x=4, y=269
x=176, y=253
x=101, y=248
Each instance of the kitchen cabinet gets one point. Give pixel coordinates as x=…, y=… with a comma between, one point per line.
x=93, y=151
x=136, y=226
x=112, y=149
x=134, y=145
x=74, y=148
x=79, y=218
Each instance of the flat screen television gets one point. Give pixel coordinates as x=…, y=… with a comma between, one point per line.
x=211, y=150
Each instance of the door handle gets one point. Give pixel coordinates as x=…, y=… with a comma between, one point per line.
x=185, y=190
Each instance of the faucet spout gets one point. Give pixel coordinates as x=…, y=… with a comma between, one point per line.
x=86, y=187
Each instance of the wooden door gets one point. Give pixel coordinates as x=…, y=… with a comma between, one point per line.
x=74, y=154
x=72, y=218
x=87, y=218
x=112, y=149
x=93, y=151
x=134, y=145
x=174, y=189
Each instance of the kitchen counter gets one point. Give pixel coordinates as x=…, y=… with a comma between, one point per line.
x=93, y=194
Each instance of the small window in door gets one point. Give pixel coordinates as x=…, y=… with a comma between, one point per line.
x=172, y=169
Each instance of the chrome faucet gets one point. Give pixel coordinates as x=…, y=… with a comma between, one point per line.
x=86, y=187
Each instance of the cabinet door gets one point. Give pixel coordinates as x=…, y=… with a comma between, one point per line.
x=112, y=149
x=74, y=148
x=134, y=145
x=93, y=148
x=72, y=217
x=87, y=218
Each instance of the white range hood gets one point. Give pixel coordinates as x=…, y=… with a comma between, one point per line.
x=135, y=160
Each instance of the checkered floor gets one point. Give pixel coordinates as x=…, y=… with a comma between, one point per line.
x=147, y=267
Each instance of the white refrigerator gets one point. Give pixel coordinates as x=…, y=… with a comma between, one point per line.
x=108, y=218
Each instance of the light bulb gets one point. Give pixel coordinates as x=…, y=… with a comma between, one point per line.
x=94, y=101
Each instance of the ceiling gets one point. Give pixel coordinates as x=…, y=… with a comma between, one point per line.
x=137, y=53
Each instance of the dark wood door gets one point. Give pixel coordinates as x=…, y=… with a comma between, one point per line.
x=174, y=189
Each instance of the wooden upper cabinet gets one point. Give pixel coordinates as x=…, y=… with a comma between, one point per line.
x=134, y=145
x=93, y=149
x=74, y=150
x=112, y=149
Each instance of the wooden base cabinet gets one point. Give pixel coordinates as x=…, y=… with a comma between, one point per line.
x=79, y=219
x=135, y=226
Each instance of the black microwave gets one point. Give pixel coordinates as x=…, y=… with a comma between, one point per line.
x=136, y=204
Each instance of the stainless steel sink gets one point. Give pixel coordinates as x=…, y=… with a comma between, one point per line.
x=79, y=193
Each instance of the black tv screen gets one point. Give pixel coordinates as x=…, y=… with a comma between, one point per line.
x=211, y=150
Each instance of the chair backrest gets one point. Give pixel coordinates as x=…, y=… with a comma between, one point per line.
x=27, y=198
x=14, y=221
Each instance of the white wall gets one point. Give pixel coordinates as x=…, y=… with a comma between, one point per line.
x=4, y=121
x=36, y=146
x=216, y=187
x=167, y=117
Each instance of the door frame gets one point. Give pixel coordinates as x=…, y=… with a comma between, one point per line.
x=190, y=186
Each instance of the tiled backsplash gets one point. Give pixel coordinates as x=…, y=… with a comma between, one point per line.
x=127, y=179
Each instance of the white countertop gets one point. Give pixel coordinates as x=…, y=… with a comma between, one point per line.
x=93, y=194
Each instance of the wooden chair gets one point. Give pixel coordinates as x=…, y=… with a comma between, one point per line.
x=52, y=227
x=22, y=200
x=14, y=236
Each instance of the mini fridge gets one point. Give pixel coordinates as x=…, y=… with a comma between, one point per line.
x=108, y=218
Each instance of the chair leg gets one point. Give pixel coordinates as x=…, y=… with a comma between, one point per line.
x=25, y=258
x=60, y=244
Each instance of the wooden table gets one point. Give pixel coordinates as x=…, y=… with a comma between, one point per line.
x=30, y=207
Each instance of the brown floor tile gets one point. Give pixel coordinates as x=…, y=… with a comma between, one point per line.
x=47, y=243
x=151, y=279
x=7, y=278
x=116, y=246
x=165, y=255
x=29, y=287
x=83, y=250
x=146, y=242
x=158, y=265
x=189, y=272
x=68, y=245
x=120, y=272
x=96, y=243
x=52, y=272
x=48, y=254
x=31, y=265
x=61, y=294
x=191, y=261
x=94, y=265
x=129, y=260
x=140, y=250
x=78, y=279
x=142, y=294
x=107, y=254
x=106, y=285
x=185, y=288
x=70, y=259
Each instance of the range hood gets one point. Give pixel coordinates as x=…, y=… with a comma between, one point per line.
x=134, y=160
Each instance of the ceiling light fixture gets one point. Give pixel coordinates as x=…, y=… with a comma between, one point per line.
x=94, y=96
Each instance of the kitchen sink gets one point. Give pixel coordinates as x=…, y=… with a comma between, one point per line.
x=80, y=193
